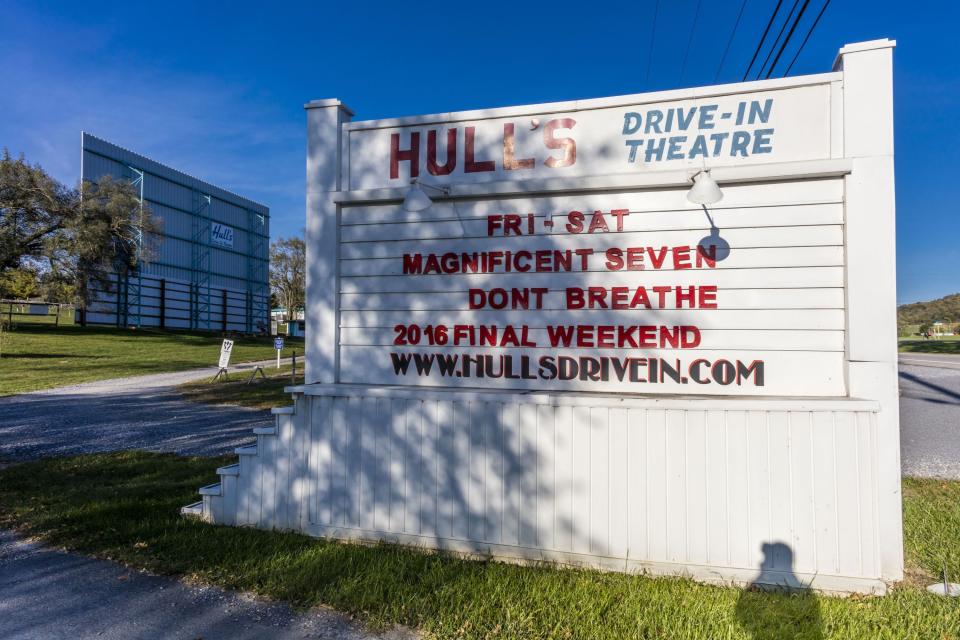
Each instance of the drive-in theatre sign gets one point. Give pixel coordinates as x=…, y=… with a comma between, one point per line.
x=650, y=332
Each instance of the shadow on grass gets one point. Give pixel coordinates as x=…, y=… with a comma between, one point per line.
x=785, y=612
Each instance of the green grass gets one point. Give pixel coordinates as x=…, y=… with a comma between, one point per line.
x=124, y=506
x=946, y=344
x=931, y=526
x=40, y=357
x=260, y=394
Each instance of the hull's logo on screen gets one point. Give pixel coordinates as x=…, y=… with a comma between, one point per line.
x=221, y=234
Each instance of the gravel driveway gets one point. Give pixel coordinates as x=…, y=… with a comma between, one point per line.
x=129, y=413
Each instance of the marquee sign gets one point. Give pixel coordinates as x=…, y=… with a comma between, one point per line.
x=563, y=358
x=610, y=291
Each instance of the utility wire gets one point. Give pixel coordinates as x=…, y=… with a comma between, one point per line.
x=796, y=22
x=730, y=41
x=773, y=47
x=653, y=34
x=693, y=29
x=763, y=39
x=804, y=43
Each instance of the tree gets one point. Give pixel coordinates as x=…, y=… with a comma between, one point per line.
x=18, y=284
x=288, y=273
x=73, y=238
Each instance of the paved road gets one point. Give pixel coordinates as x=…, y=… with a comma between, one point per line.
x=51, y=595
x=144, y=412
x=930, y=415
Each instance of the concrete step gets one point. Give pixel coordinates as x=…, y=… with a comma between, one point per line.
x=246, y=451
x=279, y=411
x=194, y=510
x=265, y=431
x=211, y=490
x=230, y=470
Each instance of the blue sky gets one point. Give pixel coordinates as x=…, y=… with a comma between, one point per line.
x=217, y=90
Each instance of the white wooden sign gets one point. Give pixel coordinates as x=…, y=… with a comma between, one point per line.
x=225, y=350
x=550, y=362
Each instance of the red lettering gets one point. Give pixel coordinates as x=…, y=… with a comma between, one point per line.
x=597, y=297
x=477, y=298
x=470, y=164
x=494, y=222
x=657, y=258
x=597, y=221
x=640, y=298
x=574, y=298
x=451, y=153
x=688, y=297
x=560, y=336
x=568, y=145
x=511, y=224
x=411, y=155
x=708, y=297
x=509, y=148
x=619, y=215
x=635, y=259
x=614, y=259
x=412, y=263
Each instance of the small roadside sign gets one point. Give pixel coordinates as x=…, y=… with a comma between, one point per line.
x=225, y=349
x=278, y=345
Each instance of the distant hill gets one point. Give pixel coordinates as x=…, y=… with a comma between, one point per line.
x=946, y=309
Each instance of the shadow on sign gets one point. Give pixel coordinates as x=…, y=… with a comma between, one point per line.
x=713, y=247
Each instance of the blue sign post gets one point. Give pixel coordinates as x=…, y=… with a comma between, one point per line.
x=278, y=345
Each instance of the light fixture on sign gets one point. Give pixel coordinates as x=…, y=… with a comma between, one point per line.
x=704, y=190
x=417, y=199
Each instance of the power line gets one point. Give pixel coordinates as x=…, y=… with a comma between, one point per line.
x=796, y=22
x=804, y=43
x=730, y=41
x=773, y=47
x=653, y=34
x=763, y=39
x=693, y=29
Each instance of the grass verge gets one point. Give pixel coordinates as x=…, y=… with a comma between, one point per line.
x=124, y=506
x=260, y=394
x=40, y=357
x=949, y=344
